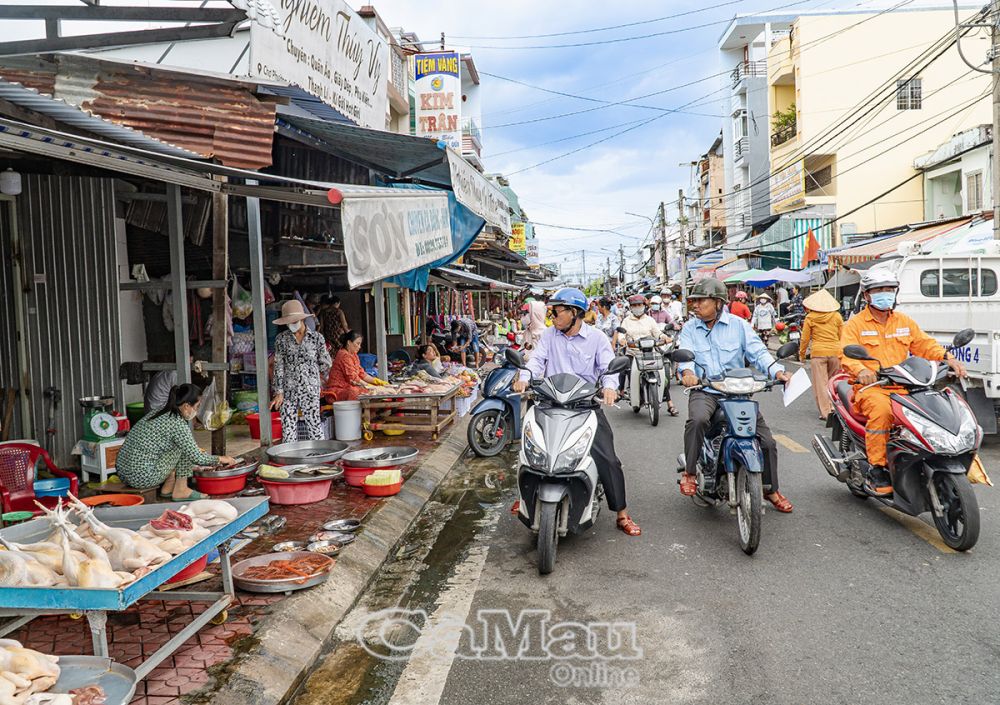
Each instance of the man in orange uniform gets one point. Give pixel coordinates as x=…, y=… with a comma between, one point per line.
x=890, y=337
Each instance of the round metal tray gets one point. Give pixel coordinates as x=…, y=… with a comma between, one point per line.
x=386, y=457
x=288, y=585
x=117, y=680
x=344, y=525
x=294, y=478
x=242, y=469
x=311, y=452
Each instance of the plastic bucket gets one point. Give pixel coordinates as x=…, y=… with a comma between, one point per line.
x=253, y=421
x=347, y=420
x=297, y=492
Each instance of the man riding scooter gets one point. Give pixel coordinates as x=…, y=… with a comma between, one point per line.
x=890, y=337
x=639, y=324
x=721, y=341
x=570, y=346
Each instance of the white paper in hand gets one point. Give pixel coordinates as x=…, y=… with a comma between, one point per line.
x=796, y=386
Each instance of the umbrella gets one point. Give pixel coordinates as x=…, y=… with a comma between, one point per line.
x=741, y=277
x=788, y=275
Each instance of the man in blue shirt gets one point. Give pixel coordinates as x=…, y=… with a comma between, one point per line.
x=721, y=341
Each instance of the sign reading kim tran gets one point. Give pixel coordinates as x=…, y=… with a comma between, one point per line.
x=388, y=236
x=438, y=90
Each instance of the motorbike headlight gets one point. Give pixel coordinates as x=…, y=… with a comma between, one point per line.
x=568, y=459
x=499, y=382
x=533, y=452
x=941, y=439
x=738, y=385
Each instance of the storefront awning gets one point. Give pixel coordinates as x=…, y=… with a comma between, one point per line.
x=879, y=248
x=709, y=259
x=469, y=280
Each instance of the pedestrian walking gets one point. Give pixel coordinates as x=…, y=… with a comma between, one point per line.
x=821, y=340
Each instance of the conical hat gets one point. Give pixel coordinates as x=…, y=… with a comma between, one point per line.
x=821, y=302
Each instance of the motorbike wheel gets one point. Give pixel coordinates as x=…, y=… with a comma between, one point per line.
x=489, y=433
x=548, y=537
x=959, y=525
x=750, y=510
x=653, y=400
x=847, y=449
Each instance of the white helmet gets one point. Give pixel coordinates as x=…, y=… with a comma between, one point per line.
x=878, y=277
x=656, y=300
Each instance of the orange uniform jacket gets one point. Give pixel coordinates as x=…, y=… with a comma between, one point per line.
x=890, y=343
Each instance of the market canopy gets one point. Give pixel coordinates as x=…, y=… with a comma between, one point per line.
x=709, y=259
x=972, y=239
x=788, y=275
x=748, y=277
x=472, y=281
x=887, y=246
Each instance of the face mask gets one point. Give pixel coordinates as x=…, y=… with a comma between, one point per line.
x=884, y=300
x=637, y=311
x=294, y=327
x=655, y=307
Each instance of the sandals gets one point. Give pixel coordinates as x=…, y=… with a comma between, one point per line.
x=689, y=485
x=195, y=494
x=628, y=526
x=672, y=410
x=780, y=502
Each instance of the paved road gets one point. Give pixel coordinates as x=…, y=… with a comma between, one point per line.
x=843, y=603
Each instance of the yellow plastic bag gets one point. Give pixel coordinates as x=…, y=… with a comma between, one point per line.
x=977, y=473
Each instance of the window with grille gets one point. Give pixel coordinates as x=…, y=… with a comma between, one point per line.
x=909, y=94
x=974, y=191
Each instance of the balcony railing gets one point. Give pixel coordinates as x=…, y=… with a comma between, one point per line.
x=741, y=147
x=748, y=68
x=472, y=137
x=784, y=134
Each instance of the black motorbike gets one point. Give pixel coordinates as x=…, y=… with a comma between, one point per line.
x=931, y=447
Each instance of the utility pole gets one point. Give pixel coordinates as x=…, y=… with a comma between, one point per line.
x=607, y=276
x=995, y=20
x=682, y=221
x=621, y=268
x=663, y=240
x=585, y=281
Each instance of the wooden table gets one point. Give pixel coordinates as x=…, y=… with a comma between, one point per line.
x=412, y=412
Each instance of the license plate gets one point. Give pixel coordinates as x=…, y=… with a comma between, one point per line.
x=794, y=335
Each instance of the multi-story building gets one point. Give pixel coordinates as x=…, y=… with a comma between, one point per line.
x=711, y=208
x=852, y=97
x=958, y=175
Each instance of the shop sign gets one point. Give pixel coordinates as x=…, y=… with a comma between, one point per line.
x=325, y=48
x=788, y=188
x=388, y=236
x=518, y=243
x=476, y=193
x=533, y=253
x=438, y=89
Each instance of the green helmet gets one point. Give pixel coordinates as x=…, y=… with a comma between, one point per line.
x=709, y=288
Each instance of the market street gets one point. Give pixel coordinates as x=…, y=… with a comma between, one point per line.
x=828, y=610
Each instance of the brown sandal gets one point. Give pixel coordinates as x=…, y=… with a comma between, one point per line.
x=780, y=502
x=689, y=485
x=628, y=526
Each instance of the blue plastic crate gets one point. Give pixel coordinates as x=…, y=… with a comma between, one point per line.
x=56, y=487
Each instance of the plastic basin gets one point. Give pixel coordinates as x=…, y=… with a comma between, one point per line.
x=221, y=485
x=253, y=421
x=56, y=487
x=113, y=500
x=297, y=492
x=382, y=490
x=191, y=571
x=355, y=477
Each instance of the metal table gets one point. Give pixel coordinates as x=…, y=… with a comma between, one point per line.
x=26, y=603
x=419, y=412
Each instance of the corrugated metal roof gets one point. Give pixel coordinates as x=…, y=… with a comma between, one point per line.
x=874, y=250
x=65, y=113
x=210, y=116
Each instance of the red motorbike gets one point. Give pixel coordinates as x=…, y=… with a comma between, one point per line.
x=931, y=447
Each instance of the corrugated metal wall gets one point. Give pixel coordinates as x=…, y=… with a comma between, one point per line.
x=8, y=322
x=67, y=232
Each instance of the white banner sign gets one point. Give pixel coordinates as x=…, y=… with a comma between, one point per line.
x=326, y=49
x=437, y=86
x=388, y=236
x=476, y=193
x=533, y=259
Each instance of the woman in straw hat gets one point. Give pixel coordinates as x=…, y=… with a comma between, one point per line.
x=300, y=362
x=821, y=332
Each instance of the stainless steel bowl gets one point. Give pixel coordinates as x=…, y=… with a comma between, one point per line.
x=327, y=548
x=307, y=452
x=345, y=525
x=386, y=457
x=339, y=537
x=241, y=469
x=285, y=585
x=289, y=546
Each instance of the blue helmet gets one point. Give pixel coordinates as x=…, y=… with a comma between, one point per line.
x=568, y=296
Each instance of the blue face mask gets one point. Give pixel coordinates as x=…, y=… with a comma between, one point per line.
x=884, y=300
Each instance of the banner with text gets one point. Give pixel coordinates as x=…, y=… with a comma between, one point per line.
x=533, y=260
x=388, y=236
x=476, y=193
x=326, y=49
x=438, y=90
x=788, y=188
x=518, y=243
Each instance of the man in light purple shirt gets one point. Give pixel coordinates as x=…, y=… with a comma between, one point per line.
x=571, y=346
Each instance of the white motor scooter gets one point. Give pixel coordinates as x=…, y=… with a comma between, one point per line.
x=648, y=376
x=557, y=479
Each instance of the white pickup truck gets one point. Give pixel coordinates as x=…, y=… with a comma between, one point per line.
x=945, y=293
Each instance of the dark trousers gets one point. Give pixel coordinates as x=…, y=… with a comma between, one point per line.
x=701, y=407
x=609, y=467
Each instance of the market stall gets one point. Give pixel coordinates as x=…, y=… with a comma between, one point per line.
x=410, y=410
x=24, y=601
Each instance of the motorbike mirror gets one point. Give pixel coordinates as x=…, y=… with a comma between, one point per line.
x=857, y=352
x=621, y=330
x=682, y=356
x=618, y=365
x=787, y=350
x=963, y=338
x=514, y=357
